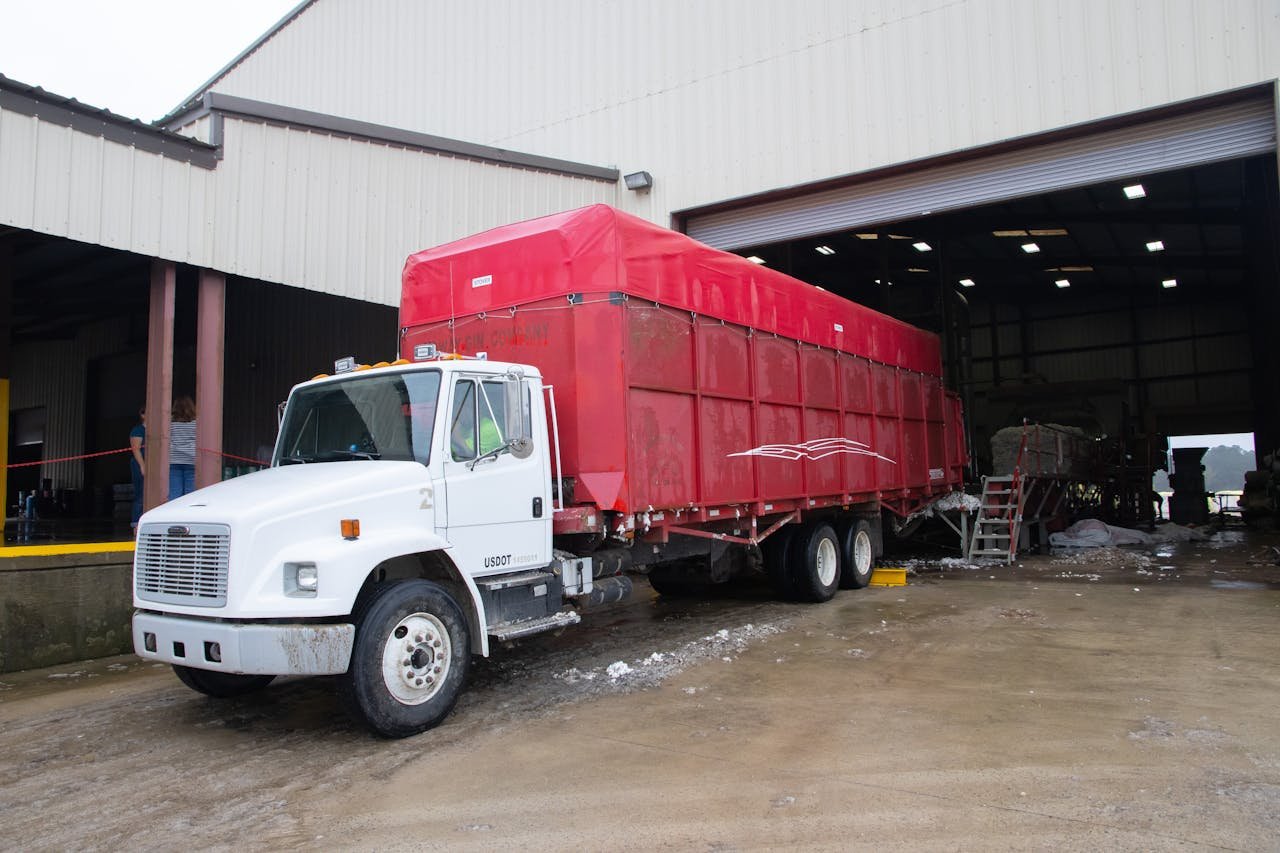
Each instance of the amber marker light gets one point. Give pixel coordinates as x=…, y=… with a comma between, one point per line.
x=350, y=528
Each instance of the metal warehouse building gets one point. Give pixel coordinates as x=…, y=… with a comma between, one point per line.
x=1081, y=197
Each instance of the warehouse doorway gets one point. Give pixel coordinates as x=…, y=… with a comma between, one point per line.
x=1118, y=278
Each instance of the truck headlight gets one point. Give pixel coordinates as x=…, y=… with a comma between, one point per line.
x=301, y=580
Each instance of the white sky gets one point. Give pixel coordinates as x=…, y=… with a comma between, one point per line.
x=139, y=58
x=1239, y=439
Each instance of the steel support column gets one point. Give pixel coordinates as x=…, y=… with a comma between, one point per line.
x=6, y=344
x=210, y=312
x=164, y=275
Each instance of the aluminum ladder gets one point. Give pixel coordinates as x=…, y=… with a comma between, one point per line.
x=995, y=531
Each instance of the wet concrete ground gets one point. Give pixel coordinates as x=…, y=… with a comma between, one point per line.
x=1122, y=699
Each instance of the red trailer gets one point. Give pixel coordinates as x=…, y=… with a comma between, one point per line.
x=692, y=380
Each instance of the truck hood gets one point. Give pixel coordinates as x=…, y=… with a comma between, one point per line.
x=280, y=491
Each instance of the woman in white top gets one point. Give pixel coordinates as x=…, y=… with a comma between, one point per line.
x=182, y=448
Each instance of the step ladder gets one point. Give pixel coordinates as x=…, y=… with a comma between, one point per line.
x=995, y=531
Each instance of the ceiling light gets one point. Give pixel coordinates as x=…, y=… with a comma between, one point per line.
x=966, y=282
x=1168, y=283
x=899, y=237
x=922, y=246
x=867, y=236
x=916, y=269
x=1135, y=191
x=1030, y=248
x=1048, y=232
x=1062, y=283
x=888, y=283
x=824, y=250
x=1155, y=246
x=1011, y=232
x=755, y=259
x=1085, y=268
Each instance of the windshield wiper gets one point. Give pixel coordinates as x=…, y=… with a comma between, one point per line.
x=359, y=454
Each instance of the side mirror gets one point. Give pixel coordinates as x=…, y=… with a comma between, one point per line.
x=519, y=430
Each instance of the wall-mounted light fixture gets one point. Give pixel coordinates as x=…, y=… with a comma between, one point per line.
x=638, y=180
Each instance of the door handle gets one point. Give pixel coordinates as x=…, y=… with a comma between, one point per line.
x=537, y=507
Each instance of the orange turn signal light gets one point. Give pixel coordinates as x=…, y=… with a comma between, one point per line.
x=350, y=528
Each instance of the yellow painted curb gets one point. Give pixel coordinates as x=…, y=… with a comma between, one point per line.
x=54, y=550
x=888, y=577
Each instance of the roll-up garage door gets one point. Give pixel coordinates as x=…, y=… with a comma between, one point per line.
x=1214, y=133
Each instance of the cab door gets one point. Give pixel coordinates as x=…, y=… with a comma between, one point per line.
x=498, y=501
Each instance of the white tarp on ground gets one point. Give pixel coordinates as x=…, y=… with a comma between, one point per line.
x=1091, y=533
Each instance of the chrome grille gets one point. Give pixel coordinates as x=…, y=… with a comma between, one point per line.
x=183, y=564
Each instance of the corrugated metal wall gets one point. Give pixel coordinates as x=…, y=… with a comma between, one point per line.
x=52, y=375
x=1178, y=356
x=723, y=98
x=324, y=213
x=279, y=336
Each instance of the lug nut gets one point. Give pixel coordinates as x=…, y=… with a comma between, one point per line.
x=419, y=682
x=430, y=680
x=437, y=669
x=406, y=662
x=436, y=644
x=419, y=638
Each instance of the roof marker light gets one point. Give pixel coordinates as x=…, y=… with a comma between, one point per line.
x=1135, y=191
x=1155, y=246
x=1030, y=248
x=966, y=282
x=345, y=365
x=1062, y=283
x=1169, y=283
x=424, y=352
x=755, y=259
x=824, y=250
x=922, y=246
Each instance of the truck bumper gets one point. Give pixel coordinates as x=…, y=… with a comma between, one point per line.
x=244, y=648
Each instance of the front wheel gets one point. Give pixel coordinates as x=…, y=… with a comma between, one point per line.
x=410, y=658
x=220, y=685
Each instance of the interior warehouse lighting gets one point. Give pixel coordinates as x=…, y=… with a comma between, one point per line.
x=824, y=250
x=966, y=282
x=1168, y=283
x=1030, y=248
x=1062, y=283
x=1134, y=191
x=921, y=246
x=755, y=259
x=1155, y=246
x=867, y=236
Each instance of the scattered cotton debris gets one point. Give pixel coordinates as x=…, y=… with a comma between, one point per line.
x=782, y=801
x=618, y=669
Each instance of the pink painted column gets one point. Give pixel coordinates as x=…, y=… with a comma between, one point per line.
x=210, y=312
x=164, y=275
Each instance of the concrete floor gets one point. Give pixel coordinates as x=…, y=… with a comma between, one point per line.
x=1114, y=700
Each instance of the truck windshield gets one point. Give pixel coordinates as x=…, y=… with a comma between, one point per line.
x=365, y=417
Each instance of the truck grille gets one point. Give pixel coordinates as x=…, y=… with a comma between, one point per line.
x=183, y=564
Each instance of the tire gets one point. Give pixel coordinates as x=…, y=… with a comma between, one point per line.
x=410, y=659
x=857, y=554
x=815, y=563
x=777, y=562
x=220, y=685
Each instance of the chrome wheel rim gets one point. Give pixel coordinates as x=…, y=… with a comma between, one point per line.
x=827, y=563
x=415, y=658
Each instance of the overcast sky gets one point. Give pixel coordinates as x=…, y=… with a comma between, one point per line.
x=139, y=58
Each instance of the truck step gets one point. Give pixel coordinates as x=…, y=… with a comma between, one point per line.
x=990, y=552
x=523, y=628
x=530, y=578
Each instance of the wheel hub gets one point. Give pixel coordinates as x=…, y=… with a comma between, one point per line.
x=827, y=562
x=415, y=659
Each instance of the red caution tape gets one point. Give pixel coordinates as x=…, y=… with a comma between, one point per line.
x=233, y=456
x=68, y=458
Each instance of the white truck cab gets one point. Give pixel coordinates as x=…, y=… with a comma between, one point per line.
x=406, y=517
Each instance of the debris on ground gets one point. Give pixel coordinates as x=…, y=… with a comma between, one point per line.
x=726, y=644
x=1092, y=533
